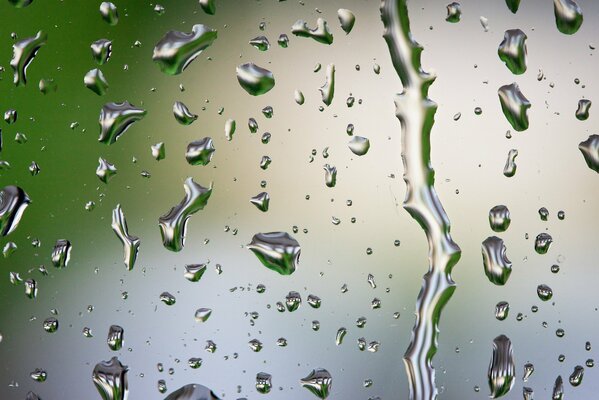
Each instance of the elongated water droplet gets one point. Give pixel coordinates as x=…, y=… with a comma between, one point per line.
x=568, y=16
x=512, y=51
x=277, y=251
x=105, y=170
x=577, y=375
x=200, y=152
x=510, y=167
x=230, y=126
x=514, y=105
x=182, y=114
x=194, y=272
x=176, y=50
x=347, y=19
x=527, y=393
x=299, y=97
x=192, y=391
x=502, y=368
x=263, y=382
x=115, y=337
x=582, y=112
x=116, y=118
x=327, y=91
x=260, y=42
x=101, y=50
x=13, y=202
x=24, y=51
x=130, y=243
x=558, y=389
x=502, y=310
x=30, y=286
x=359, y=145
x=499, y=218
x=496, y=264
x=330, y=175
x=590, y=151
x=543, y=242
x=341, y=332
x=513, y=5
x=254, y=79
x=321, y=33
x=95, y=81
x=109, y=13
x=454, y=12
x=61, y=254
x=173, y=224
x=318, y=382
x=110, y=378
x=261, y=201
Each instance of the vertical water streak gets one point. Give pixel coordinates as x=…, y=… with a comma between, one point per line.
x=416, y=113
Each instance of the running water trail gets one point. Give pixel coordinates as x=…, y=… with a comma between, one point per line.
x=416, y=113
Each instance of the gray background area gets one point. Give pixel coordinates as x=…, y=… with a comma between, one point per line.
x=468, y=156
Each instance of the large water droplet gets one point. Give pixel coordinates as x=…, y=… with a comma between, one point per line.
x=502, y=310
x=347, y=19
x=254, y=79
x=230, y=126
x=502, y=367
x=568, y=16
x=109, y=13
x=20, y=3
x=95, y=81
x=261, y=201
x=544, y=292
x=577, y=375
x=260, y=42
x=558, y=389
x=499, y=218
x=176, y=50
x=182, y=114
x=528, y=371
x=192, y=391
x=330, y=175
x=200, y=152
x=321, y=33
x=116, y=118
x=115, y=337
x=24, y=51
x=590, y=151
x=512, y=51
x=543, y=242
x=130, y=243
x=497, y=266
x=318, y=382
x=202, y=314
x=277, y=251
x=513, y=5
x=194, y=272
x=173, y=224
x=110, y=378
x=341, y=332
x=514, y=105
x=13, y=202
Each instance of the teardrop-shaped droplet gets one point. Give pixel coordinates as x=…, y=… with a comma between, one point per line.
x=577, y=375
x=299, y=97
x=261, y=201
x=110, y=378
x=158, y=151
x=173, y=224
x=582, y=112
x=101, y=50
x=202, y=314
x=192, y=391
x=230, y=126
x=182, y=114
x=347, y=19
x=513, y=5
x=510, y=167
x=543, y=242
x=514, y=105
x=528, y=371
x=590, y=151
x=512, y=51
x=499, y=218
x=194, y=272
x=24, y=51
x=318, y=382
x=116, y=118
x=544, y=292
x=341, y=332
x=527, y=393
x=496, y=264
x=502, y=368
x=568, y=16
x=95, y=81
x=254, y=79
x=283, y=40
x=176, y=50
x=321, y=33
x=109, y=13
x=277, y=251
x=130, y=243
x=13, y=202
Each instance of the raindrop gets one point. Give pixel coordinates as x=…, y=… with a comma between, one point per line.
x=512, y=51
x=582, y=112
x=192, y=391
x=230, y=126
x=110, y=378
x=590, y=151
x=330, y=175
x=499, y=218
x=182, y=114
x=101, y=50
x=544, y=292
x=510, y=167
x=208, y=6
x=514, y=105
x=318, y=382
x=543, y=242
x=116, y=118
x=130, y=243
x=568, y=16
x=254, y=79
x=167, y=298
x=95, y=81
x=202, y=314
x=115, y=337
x=496, y=264
x=327, y=90
x=109, y=13
x=200, y=152
x=299, y=97
x=502, y=368
x=50, y=325
x=359, y=145
x=13, y=202
x=261, y=201
x=528, y=371
x=158, y=151
x=277, y=251
x=260, y=42
x=502, y=310
x=347, y=19
x=321, y=33
x=263, y=382
x=24, y=51
x=176, y=50
x=194, y=272
x=283, y=40
x=61, y=254
x=454, y=12
x=105, y=170
x=293, y=301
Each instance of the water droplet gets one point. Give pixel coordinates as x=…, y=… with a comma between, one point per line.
x=255, y=345
x=30, y=285
x=260, y=42
x=61, y=254
x=109, y=13
x=299, y=97
x=577, y=375
x=182, y=114
x=513, y=5
x=110, y=378
x=544, y=292
x=568, y=16
x=277, y=251
x=510, y=167
x=314, y=301
x=347, y=19
x=283, y=40
x=341, y=332
x=202, y=314
x=254, y=79
x=192, y=391
x=502, y=368
x=159, y=9
x=512, y=51
x=173, y=224
x=252, y=125
x=327, y=90
x=115, y=337
x=105, y=170
x=318, y=382
x=527, y=393
x=499, y=218
x=359, y=145
x=293, y=301
x=116, y=118
x=484, y=22
x=582, y=112
x=230, y=126
x=558, y=389
x=321, y=33
x=263, y=382
x=24, y=51
x=39, y=375
x=497, y=266
x=101, y=50
x=502, y=310
x=330, y=175
x=176, y=50
x=528, y=371
x=514, y=105
x=194, y=272
x=10, y=116
x=9, y=248
x=130, y=243
x=261, y=201
x=543, y=242
x=13, y=202
x=590, y=151
x=95, y=81
x=454, y=12
x=200, y=152
x=158, y=151
x=50, y=325
x=543, y=213
x=20, y=3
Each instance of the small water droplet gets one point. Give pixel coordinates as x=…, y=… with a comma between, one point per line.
x=514, y=105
